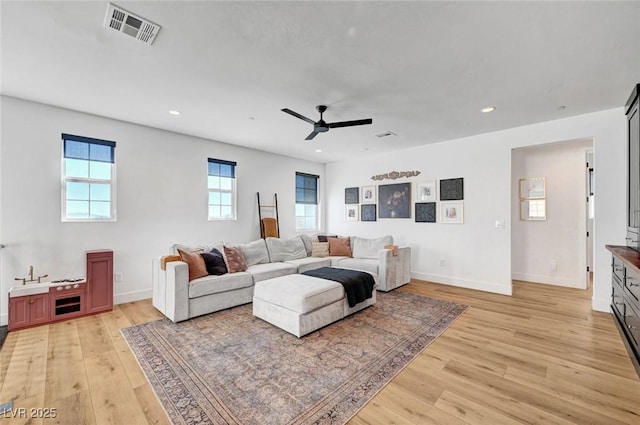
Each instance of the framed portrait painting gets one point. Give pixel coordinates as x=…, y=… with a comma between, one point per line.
x=394, y=200
x=452, y=212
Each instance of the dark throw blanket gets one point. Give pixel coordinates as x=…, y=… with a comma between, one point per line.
x=357, y=285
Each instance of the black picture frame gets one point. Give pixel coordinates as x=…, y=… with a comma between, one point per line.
x=352, y=195
x=394, y=200
x=452, y=189
x=368, y=212
x=425, y=212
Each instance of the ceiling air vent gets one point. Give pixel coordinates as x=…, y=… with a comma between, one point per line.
x=122, y=21
x=386, y=134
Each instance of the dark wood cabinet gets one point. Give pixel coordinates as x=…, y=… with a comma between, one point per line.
x=633, y=170
x=625, y=294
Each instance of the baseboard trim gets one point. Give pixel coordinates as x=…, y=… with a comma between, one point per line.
x=464, y=283
x=599, y=304
x=549, y=280
x=128, y=297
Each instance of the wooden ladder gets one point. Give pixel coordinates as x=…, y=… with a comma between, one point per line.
x=269, y=226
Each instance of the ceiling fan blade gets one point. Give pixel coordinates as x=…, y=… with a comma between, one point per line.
x=349, y=123
x=312, y=135
x=297, y=115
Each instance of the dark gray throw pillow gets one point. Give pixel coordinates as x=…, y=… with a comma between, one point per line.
x=214, y=262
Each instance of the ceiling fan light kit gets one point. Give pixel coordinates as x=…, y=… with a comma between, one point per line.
x=321, y=126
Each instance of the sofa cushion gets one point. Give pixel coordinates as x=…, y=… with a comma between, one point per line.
x=286, y=249
x=254, y=252
x=365, y=264
x=307, y=240
x=195, y=263
x=214, y=262
x=270, y=270
x=215, y=284
x=368, y=248
x=309, y=263
x=335, y=260
x=299, y=293
x=235, y=259
x=339, y=246
x=197, y=248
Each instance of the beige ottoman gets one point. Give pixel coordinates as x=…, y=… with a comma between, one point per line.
x=301, y=304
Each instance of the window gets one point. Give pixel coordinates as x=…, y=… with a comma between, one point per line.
x=88, y=179
x=221, y=181
x=306, y=202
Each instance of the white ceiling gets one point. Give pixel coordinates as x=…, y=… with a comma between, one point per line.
x=420, y=69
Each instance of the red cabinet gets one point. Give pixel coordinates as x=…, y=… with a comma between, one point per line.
x=68, y=299
x=99, y=281
x=28, y=311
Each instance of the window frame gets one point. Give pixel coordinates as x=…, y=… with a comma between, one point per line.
x=233, y=191
x=65, y=179
x=305, y=204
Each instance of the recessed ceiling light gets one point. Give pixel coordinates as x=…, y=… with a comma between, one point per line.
x=488, y=109
x=174, y=112
x=319, y=150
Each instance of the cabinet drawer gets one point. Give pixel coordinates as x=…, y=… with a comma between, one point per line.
x=632, y=321
x=632, y=283
x=617, y=297
x=618, y=268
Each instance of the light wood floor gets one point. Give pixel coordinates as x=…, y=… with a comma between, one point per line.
x=541, y=356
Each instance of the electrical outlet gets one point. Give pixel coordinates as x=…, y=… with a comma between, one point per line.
x=554, y=266
x=443, y=262
x=118, y=276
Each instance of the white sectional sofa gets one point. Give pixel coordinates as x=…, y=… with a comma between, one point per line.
x=180, y=299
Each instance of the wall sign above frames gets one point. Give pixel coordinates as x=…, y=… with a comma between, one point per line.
x=394, y=175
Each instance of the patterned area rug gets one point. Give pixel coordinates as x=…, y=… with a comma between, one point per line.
x=232, y=368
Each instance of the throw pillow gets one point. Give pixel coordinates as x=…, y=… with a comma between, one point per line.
x=214, y=261
x=339, y=247
x=235, y=259
x=320, y=249
x=195, y=262
x=325, y=238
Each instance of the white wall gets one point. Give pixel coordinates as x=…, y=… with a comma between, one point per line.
x=561, y=237
x=478, y=255
x=161, y=196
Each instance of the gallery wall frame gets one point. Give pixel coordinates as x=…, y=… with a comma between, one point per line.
x=368, y=212
x=351, y=212
x=426, y=191
x=452, y=212
x=425, y=212
x=394, y=200
x=368, y=195
x=352, y=195
x=452, y=189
